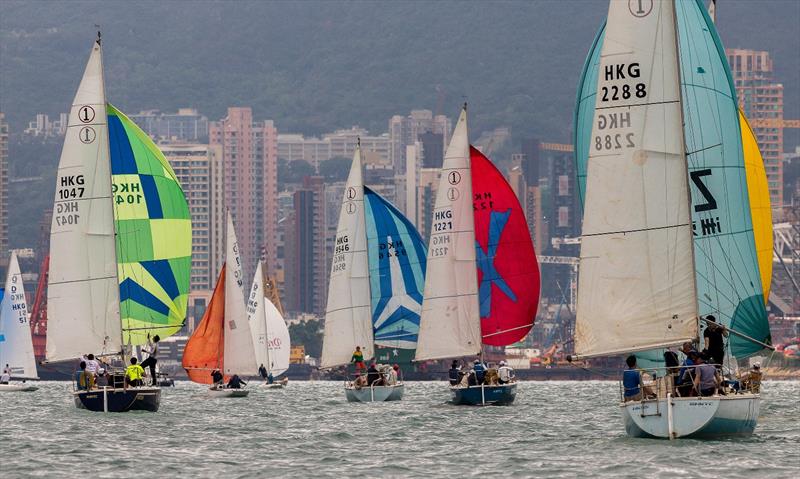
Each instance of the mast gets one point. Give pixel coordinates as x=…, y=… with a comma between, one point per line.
x=124, y=351
x=685, y=156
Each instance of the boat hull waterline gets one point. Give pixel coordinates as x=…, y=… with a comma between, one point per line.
x=375, y=393
x=484, y=395
x=119, y=399
x=227, y=393
x=8, y=388
x=696, y=417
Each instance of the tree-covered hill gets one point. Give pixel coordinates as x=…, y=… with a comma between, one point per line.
x=318, y=65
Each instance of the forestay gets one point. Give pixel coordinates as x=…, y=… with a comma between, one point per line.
x=154, y=234
x=16, y=346
x=636, y=288
x=348, y=322
x=397, y=257
x=270, y=334
x=450, y=321
x=83, y=291
x=239, y=351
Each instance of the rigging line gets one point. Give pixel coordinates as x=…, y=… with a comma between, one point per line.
x=632, y=105
x=497, y=333
x=640, y=230
x=689, y=153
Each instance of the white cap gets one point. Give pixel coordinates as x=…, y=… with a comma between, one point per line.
x=502, y=363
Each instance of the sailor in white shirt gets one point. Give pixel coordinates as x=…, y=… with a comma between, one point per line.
x=152, y=359
x=6, y=377
x=505, y=372
x=92, y=365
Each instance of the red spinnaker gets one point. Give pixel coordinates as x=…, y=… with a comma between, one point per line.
x=204, y=351
x=508, y=273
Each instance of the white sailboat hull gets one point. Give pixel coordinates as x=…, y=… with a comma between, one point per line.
x=227, y=393
x=277, y=384
x=375, y=393
x=17, y=388
x=703, y=417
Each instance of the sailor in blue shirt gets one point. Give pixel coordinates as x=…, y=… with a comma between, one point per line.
x=631, y=380
x=480, y=371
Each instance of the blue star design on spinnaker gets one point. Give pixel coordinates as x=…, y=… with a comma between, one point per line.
x=497, y=223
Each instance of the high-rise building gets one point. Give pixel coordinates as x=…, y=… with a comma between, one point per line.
x=405, y=130
x=761, y=97
x=3, y=193
x=306, y=270
x=250, y=182
x=427, y=186
x=339, y=144
x=44, y=128
x=184, y=125
x=199, y=170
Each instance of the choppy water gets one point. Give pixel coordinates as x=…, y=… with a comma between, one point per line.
x=555, y=429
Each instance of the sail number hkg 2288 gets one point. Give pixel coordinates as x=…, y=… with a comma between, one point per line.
x=626, y=91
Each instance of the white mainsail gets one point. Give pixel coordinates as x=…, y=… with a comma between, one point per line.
x=636, y=287
x=16, y=345
x=239, y=356
x=348, y=319
x=268, y=328
x=450, y=321
x=82, y=291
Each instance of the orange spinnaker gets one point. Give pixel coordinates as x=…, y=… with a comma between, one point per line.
x=205, y=349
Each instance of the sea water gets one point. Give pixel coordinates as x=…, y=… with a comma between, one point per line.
x=554, y=429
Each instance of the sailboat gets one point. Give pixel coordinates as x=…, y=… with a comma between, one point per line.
x=16, y=345
x=271, y=340
x=374, y=295
x=222, y=340
x=668, y=233
x=482, y=282
x=120, y=245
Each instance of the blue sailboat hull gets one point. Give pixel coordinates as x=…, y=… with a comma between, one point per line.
x=484, y=395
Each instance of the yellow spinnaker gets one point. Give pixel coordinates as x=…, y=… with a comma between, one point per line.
x=759, y=203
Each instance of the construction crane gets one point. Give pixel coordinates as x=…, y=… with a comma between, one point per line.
x=572, y=262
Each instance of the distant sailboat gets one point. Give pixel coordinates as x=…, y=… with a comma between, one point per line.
x=16, y=345
x=222, y=340
x=482, y=282
x=120, y=227
x=270, y=335
x=667, y=232
x=374, y=295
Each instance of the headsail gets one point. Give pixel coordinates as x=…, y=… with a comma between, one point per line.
x=636, y=287
x=700, y=70
x=239, y=352
x=83, y=291
x=508, y=273
x=269, y=331
x=204, y=352
x=16, y=345
x=397, y=258
x=347, y=316
x=154, y=234
x=450, y=320
x=728, y=278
